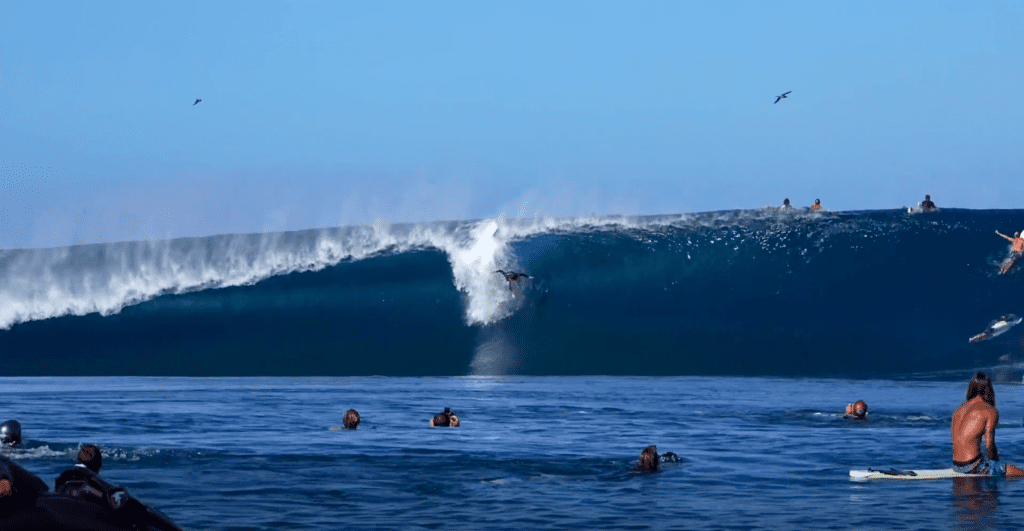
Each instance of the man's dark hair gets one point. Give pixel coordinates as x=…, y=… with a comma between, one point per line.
x=441, y=419
x=981, y=386
x=91, y=457
x=351, y=419
x=648, y=460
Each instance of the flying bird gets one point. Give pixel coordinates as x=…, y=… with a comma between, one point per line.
x=780, y=96
x=197, y=102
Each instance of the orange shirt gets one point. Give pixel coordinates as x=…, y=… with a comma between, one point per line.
x=815, y=207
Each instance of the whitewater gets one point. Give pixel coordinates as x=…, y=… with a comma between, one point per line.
x=759, y=292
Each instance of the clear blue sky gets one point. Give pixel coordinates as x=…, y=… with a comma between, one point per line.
x=331, y=113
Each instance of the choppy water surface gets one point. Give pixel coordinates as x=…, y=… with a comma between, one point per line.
x=532, y=452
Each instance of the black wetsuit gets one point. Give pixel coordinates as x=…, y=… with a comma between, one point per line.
x=927, y=205
x=82, y=483
x=25, y=486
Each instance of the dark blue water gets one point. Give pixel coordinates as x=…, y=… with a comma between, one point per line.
x=532, y=452
x=858, y=294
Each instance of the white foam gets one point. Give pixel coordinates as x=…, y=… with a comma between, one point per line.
x=105, y=278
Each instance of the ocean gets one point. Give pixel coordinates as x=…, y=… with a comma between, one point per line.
x=212, y=369
x=258, y=453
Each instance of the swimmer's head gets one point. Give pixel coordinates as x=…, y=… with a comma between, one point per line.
x=453, y=420
x=817, y=201
x=860, y=409
x=441, y=419
x=10, y=433
x=91, y=457
x=351, y=419
x=785, y=201
x=927, y=197
x=1016, y=235
x=648, y=459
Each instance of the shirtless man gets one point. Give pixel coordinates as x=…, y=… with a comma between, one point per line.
x=976, y=417
x=1016, y=241
x=857, y=410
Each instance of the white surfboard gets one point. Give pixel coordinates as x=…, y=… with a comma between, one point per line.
x=941, y=473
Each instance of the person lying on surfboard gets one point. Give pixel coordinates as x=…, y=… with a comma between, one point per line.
x=975, y=418
x=997, y=327
x=857, y=411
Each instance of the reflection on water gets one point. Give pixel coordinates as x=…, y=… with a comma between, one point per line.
x=974, y=499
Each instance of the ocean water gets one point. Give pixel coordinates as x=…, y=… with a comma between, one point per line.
x=532, y=452
x=754, y=293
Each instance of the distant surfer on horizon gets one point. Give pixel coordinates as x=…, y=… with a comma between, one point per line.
x=781, y=96
x=512, y=276
x=1018, y=247
x=997, y=327
x=785, y=204
x=975, y=418
x=927, y=205
x=816, y=206
x=197, y=102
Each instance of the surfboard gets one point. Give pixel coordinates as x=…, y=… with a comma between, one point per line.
x=941, y=473
x=1009, y=263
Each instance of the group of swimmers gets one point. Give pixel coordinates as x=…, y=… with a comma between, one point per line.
x=20, y=490
x=975, y=419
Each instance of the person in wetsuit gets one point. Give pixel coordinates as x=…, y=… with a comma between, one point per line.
x=83, y=481
x=927, y=205
x=512, y=276
x=19, y=488
x=10, y=433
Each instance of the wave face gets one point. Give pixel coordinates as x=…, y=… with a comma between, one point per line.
x=855, y=294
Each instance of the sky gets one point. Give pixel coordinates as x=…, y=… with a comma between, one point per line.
x=320, y=114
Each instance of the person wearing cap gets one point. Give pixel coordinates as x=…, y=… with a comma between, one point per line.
x=927, y=205
x=817, y=205
x=856, y=411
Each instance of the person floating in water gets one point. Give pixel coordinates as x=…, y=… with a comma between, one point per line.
x=512, y=276
x=10, y=433
x=857, y=411
x=648, y=460
x=445, y=419
x=975, y=418
x=351, y=419
x=817, y=205
x=785, y=204
x=927, y=205
x=83, y=481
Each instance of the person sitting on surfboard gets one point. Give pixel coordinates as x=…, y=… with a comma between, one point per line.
x=857, y=411
x=927, y=205
x=975, y=418
x=816, y=206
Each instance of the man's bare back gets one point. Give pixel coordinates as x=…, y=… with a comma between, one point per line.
x=972, y=420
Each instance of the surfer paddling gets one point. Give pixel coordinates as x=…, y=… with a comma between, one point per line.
x=975, y=418
x=512, y=276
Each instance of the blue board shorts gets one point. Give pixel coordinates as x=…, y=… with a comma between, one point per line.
x=982, y=465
